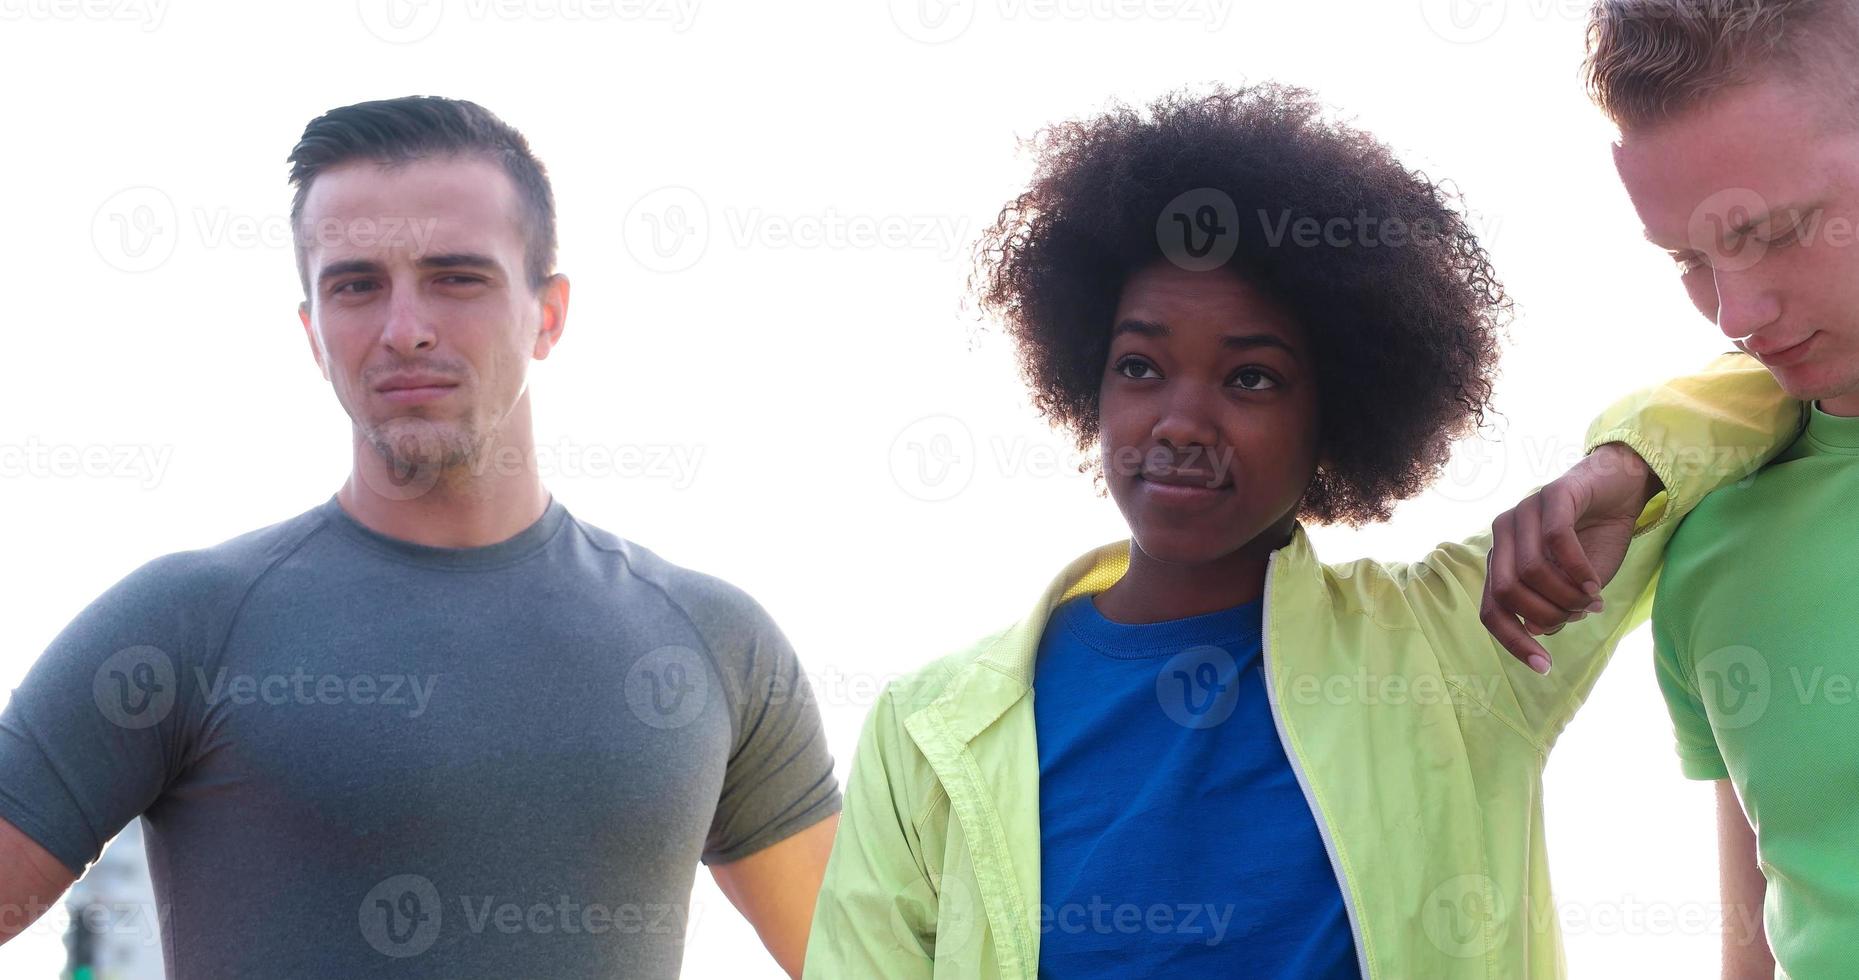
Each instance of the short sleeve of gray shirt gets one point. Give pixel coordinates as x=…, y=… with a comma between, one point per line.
x=319, y=721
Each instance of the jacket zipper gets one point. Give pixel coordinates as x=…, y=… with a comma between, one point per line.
x=1297, y=769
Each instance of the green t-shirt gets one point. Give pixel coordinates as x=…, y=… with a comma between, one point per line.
x=1756, y=627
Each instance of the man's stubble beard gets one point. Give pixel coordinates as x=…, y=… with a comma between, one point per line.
x=414, y=447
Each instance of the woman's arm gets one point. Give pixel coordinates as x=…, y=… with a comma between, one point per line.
x=1696, y=434
x=1544, y=550
x=875, y=901
x=1552, y=554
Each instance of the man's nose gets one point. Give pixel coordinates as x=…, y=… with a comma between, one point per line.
x=409, y=326
x=1745, y=304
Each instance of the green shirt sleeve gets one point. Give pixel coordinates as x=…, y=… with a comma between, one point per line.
x=1698, y=755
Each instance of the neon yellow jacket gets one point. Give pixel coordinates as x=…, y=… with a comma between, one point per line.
x=1418, y=740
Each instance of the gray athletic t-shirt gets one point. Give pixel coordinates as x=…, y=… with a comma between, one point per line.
x=362, y=757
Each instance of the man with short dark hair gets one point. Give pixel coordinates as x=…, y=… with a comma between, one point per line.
x=435, y=725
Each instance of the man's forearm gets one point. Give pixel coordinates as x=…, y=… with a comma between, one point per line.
x=776, y=889
x=31, y=881
x=1746, y=953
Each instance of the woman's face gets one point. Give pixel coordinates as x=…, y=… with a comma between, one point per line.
x=1208, y=412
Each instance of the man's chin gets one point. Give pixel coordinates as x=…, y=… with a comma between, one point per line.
x=1819, y=382
x=412, y=442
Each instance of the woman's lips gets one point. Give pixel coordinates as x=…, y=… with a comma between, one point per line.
x=1187, y=495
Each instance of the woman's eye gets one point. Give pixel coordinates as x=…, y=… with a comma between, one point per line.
x=1253, y=379
x=1129, y=364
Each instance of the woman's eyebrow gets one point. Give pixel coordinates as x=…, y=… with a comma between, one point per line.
x=1250, y=340
x=1232, y=341
x=1146, y=328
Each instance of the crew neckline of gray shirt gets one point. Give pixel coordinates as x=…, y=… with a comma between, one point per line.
x=525, y=543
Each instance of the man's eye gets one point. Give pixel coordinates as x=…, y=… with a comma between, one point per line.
x=1787, y=236
x=1253, y=379
x=1688, y=262
x=353, y=282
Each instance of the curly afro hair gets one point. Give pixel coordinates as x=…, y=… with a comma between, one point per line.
x=1402, y=314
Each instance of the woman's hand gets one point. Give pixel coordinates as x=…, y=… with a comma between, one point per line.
x=1553, y=553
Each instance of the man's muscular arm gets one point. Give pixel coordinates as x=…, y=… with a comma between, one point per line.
x=31, y=881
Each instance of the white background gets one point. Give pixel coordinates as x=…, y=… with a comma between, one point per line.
x=794, y=372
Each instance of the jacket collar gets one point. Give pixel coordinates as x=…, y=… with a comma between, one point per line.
x=980, y=693
x=986, y=686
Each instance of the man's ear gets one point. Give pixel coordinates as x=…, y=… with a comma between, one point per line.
x=554, y=299
x=309, y=333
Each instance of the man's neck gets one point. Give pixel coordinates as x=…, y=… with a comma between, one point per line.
x=448, y=518
x=488, y=500
x=1845, y=406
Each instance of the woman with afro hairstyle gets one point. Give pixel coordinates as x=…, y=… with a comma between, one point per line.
x=1203, y=752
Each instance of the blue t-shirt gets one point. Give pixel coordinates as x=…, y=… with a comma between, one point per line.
x=1174, y=839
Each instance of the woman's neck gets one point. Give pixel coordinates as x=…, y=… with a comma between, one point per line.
x=1155, y=591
